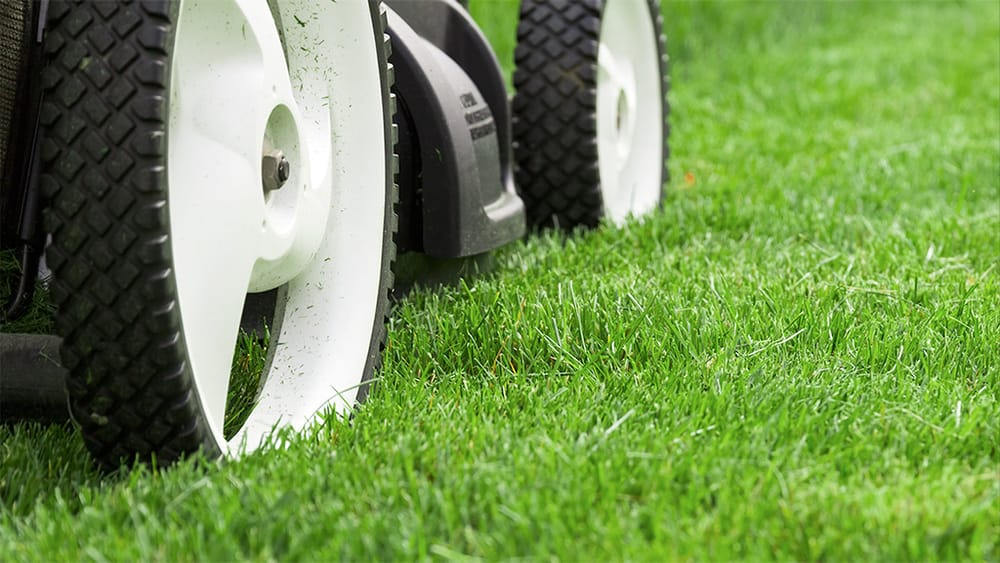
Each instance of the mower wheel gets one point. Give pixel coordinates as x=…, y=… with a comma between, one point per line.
x=195, y=152
x=590, y=110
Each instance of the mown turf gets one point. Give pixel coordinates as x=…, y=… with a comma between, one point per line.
x=796, y=359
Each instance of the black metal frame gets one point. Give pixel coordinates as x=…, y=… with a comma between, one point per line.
x=21, y=203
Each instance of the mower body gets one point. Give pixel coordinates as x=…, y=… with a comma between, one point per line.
x=456, y=166
x=455, y=177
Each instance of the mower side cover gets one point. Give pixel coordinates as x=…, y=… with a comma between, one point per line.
x=456, y=174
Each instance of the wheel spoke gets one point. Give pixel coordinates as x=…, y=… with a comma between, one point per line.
x=609, y=66
x=214, y=221
x=228, y=76
x=612, y=86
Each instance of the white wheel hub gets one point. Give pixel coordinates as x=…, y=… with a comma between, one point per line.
x=629, y=110
x=234, y=97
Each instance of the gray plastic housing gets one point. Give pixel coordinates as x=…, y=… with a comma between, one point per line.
x=456, y=179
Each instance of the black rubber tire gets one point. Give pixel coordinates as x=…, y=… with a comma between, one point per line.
x=104, y=123
x=555, y=106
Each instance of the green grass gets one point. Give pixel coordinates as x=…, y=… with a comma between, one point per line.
x=38, y=319
x=249, y=360
x=796, y=359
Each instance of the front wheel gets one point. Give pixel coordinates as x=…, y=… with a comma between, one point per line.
x=197, y=151
x=590, y=110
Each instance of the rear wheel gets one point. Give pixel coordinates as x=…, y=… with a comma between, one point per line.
x=197, y=151
x=590, y=110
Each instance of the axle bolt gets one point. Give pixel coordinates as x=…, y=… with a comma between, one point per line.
x=284, y=170
x=275, y=170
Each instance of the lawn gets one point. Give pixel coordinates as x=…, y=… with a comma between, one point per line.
x=797, y=358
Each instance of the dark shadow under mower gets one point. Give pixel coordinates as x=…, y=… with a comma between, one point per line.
x=194, y=167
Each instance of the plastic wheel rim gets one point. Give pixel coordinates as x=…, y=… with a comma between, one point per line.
x=319, y=238
x=629, y=110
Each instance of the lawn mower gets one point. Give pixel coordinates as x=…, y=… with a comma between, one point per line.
x=182, y=170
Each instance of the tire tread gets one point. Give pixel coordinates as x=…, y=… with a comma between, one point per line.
x=103, y=163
